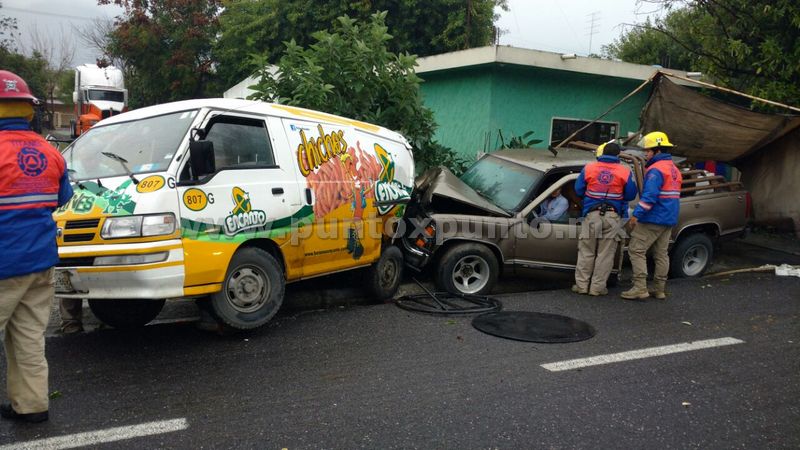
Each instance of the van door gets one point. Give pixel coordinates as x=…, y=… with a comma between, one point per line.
x=252, y=194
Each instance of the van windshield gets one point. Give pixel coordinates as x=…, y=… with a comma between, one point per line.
x=503, y=183
x=148, y=145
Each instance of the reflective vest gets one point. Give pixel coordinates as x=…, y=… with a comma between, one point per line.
x=30, y=171
x=671, y=186
x=32, y=178
x=606, y=181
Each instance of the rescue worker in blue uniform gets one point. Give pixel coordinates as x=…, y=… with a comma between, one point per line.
x=33, y=182
x=653, y=219
x=606, y=187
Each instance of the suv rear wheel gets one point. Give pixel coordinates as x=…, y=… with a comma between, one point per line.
x=691, y=256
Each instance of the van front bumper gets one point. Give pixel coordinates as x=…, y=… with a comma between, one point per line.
x=149, y=270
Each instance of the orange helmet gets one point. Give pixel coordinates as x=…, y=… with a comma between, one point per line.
x=12, y=87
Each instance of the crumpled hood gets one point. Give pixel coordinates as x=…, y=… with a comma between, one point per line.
x=440, y=182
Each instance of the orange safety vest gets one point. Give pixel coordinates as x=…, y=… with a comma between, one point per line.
x=30, y=171
x=671, y=186
x=605, y=181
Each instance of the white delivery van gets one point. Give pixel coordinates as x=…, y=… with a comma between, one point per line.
x=228, y=199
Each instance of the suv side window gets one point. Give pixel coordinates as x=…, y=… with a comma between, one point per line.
x=240, y=142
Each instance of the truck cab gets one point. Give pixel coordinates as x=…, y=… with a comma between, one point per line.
x=99, y=93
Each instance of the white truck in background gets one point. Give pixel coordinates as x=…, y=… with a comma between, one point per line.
x=99, y=93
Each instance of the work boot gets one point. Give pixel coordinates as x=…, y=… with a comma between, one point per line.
x=578, y=290
x=658, y=290
x=71, y=327
x=7, y=412
x=638, y=291
x=599, y=293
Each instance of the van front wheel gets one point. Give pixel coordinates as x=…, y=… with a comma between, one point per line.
x=252, y=291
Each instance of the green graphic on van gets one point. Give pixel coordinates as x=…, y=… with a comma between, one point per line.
x=91, y=197
x=243, y=216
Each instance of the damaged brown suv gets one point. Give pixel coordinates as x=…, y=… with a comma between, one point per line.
x=468, y=230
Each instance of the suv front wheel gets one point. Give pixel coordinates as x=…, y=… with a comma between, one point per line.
x=468, y=269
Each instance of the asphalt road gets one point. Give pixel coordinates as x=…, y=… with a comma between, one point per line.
x=380, y=377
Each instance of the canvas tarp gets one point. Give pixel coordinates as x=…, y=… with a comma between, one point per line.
x=703, y=128
x=764, y=147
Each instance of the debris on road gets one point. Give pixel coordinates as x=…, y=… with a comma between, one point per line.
x=785, y=270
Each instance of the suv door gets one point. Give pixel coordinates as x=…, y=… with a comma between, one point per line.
x=540, y=244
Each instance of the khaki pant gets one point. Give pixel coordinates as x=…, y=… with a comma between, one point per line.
x=71, y=310
x=597, y=245
x=24, y=311
x=643, y=237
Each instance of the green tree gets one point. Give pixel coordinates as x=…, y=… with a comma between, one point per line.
x=350, y=71
x=421, y=27
x=749, y=45
x=32, y=69
x=8, y=29
x=165, y=48
x=646, y=44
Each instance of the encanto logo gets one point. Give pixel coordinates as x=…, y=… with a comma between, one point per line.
x=243, y=216
x=312, y=153
x=388, y=192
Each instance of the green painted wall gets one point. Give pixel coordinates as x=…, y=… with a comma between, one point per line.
x=469, y=103
x=461, y=103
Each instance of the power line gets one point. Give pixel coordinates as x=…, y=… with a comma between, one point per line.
x=594, y=26
x=45, y=13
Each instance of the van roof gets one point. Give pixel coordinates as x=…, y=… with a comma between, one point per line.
x=251, y=106
x=544, y=160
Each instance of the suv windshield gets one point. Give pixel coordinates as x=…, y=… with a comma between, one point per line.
x=147, y=145
x=504, y=183
x=109, y=96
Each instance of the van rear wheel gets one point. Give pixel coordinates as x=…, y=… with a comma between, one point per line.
x=252, y=291
x=385, y=275
x=126, y=313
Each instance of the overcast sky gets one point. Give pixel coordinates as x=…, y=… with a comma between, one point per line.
x=553, y=25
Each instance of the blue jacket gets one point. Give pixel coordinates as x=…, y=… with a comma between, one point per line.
x=655, y=207
x=33, y=184
x=621, y=206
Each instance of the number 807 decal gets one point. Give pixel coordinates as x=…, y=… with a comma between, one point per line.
x=197, y=200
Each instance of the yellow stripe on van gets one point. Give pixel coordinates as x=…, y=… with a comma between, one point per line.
x=127, y=251
x=128, y=268
x=329, y=118
x=201, y=290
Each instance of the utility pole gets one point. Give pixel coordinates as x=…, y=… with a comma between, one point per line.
x=593, y=24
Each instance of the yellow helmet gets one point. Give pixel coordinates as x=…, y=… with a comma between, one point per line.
x=600, y=148
x=655, y=139
x=599, y=152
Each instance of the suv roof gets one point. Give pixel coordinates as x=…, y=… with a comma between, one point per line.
x=544, y=160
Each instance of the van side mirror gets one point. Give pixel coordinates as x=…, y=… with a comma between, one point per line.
x=201, y=158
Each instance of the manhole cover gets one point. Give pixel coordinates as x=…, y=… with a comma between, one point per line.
x=533, y=327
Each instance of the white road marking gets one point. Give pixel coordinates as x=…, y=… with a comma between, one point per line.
x=90, y=438
x=639, y=354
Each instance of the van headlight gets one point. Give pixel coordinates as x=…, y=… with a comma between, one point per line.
x=136, y=226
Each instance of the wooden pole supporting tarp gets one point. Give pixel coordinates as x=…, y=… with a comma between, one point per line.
x=623, y=100
x=731, y=91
